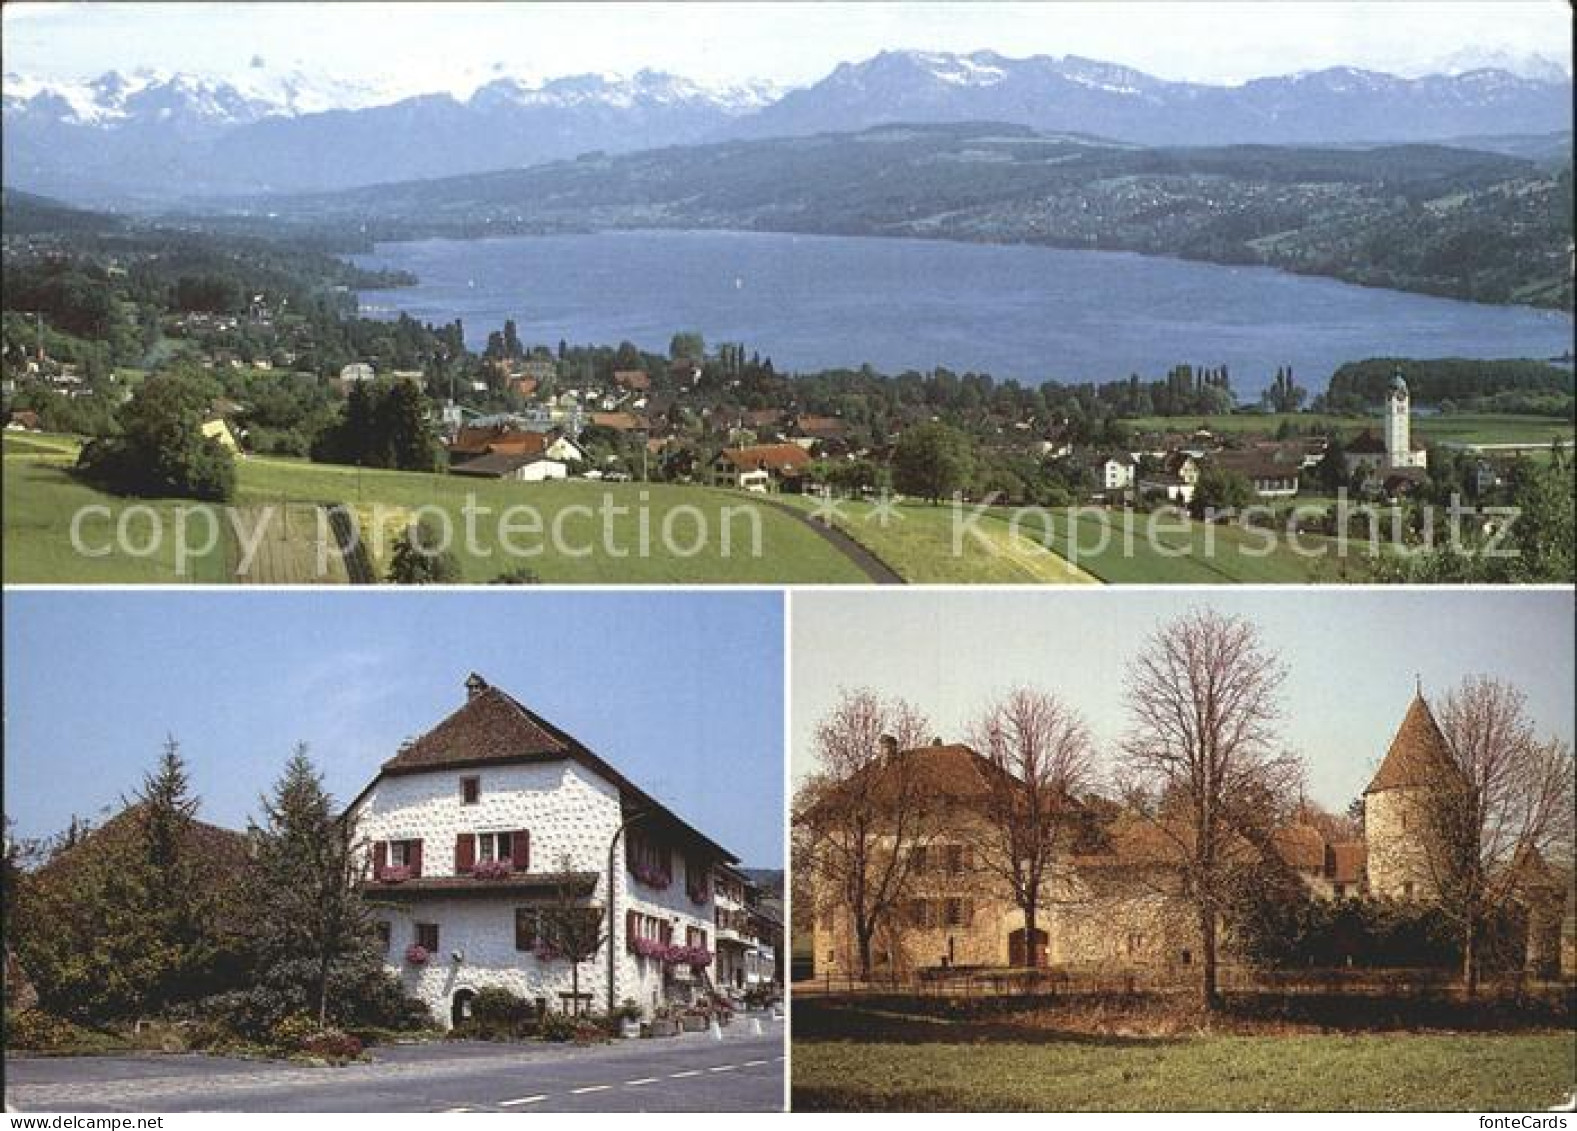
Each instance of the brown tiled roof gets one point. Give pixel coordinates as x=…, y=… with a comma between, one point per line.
x=490, y=727
x=773, y=457
x=821, y=427
x=217, y=851
x=520, y=443
x=618, y=421
x=1301, y=846
x=481, y=441
x=1418, y=754
x=1366, y=443
x=1346, y=861
x=495, y=465
x=1255, y=465
x=494, y=728
x=632, y=378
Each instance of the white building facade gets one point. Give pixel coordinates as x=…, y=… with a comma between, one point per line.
x=478, y=833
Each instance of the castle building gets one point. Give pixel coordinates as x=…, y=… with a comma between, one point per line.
x=1395, y=805
x=1116, y=899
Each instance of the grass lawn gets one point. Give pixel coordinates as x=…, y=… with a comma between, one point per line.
x=1462, y=428
x=918, y=542
x=600, y=526
x=40, y=498
x=1318, y=1072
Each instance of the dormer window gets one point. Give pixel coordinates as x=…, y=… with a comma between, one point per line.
x=470, y=790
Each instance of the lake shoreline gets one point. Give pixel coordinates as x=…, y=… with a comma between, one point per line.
x=976, y=300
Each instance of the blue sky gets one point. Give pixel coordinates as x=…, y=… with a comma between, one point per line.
x=1353, y=656
x=683, y=692
x=428, y=46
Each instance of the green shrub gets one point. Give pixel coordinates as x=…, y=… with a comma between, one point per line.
x=293, y=1031
x=37, y=1031
x=497, y=1014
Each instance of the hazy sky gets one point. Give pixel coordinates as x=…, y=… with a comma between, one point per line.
x=1352, y=655
x=426, y=46
x=682, y=692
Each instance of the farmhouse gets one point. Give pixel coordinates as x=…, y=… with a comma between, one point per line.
x=765, y=467
x=510, y=465
x=1114, y=900
x=495, y=819
x=505, y=439
x=1272, y=475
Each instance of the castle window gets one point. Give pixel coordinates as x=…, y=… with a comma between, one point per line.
x=1407, y=890
x=917, y=859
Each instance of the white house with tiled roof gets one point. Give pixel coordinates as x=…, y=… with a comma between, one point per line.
x=472, y=830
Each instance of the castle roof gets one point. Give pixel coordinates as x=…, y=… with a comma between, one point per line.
x=1418, y=755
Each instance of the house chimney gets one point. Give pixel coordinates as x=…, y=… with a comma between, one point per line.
x=889, y=746
x=937, y=741
x=474, y=686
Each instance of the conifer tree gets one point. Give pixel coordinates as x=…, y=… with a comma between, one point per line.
x=311, y=931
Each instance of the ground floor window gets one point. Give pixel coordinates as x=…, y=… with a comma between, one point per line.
x=427, y=937
x=385, y=935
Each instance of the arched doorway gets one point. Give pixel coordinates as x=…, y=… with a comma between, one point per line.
x=460, y=1010
x=1019, y=956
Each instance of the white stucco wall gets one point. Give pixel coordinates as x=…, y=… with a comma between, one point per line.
x=568, y=810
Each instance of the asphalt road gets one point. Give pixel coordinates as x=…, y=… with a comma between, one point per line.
x=691, y=1072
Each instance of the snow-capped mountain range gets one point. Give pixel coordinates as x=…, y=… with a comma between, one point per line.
x=155, y=134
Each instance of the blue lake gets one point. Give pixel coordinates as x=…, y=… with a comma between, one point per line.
x=819, y=302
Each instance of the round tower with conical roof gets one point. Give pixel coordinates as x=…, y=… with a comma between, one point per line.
x=1396, y=806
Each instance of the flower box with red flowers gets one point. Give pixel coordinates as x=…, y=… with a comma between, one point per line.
x=417, y=954
x=493, y=870
x=394, y=873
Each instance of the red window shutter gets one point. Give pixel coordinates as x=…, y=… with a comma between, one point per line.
x=629, y=930
x=415, y=856
x=464, y=853
x=380, y=858
x=520, y=850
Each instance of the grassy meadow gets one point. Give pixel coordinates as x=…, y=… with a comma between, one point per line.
x=917, y=540
x=1459, y=428
x=882, y=1058
x=600, y=527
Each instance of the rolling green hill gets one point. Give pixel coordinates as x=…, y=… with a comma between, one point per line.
x=1437, y=219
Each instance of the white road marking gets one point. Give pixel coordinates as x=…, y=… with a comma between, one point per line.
x=642, y=1080
x=753, y=1063
x=723, y=1068
x=523, y=1100
x=589, y=1088
x=682, y=1075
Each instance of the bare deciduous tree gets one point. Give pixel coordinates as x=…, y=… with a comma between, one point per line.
x=1041, y=757
x=1202, y=702
x=858, y=820
x=1508, y=808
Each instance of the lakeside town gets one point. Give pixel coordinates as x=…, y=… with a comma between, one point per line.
x=262, y=367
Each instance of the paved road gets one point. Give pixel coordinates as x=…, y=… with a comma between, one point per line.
x=873, y=567
x=691, y=1072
